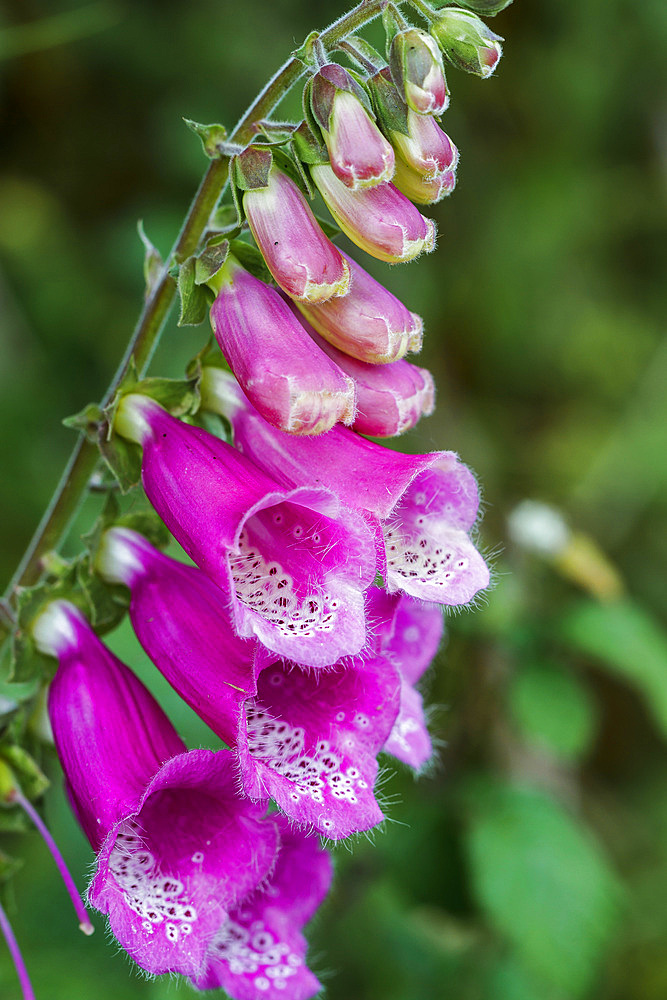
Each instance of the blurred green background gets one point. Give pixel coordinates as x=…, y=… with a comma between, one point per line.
x=531, y=863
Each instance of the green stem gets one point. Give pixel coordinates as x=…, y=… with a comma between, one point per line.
x=83, y=461
x=424, y=9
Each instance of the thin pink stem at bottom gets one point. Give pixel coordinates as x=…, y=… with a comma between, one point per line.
x=17, y=957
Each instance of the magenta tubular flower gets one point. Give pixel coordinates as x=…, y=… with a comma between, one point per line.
x=307, y=739
x=360, y=155
x=303, y=261
x=295, y=561
x=292, y=383
x=410, y=644
x=417, y=70
x=260, y=951
x=379, y=220
x=390, y=398
x=177, y=848
x=369, y=324
x=424, y=505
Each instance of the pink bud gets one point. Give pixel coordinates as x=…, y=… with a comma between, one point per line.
x=417, y=70
x=370, y=323
x=390, y=398
x=303, y=261
x=426, y=148
x=379, y=220
x=282, y=372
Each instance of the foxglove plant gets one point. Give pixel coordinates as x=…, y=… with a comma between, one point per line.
x=281, y=637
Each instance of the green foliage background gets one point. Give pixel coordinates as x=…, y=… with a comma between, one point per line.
x=532, y=862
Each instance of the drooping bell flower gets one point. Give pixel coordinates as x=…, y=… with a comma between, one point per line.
x=410, y=643
x=467, y=41
x=370, y=323
x=380, y=220
x=308, y=739
x=302, y=260
x=360, y=155
x=416, y=67
x=390, y=398
x=260, y=950
x=292, y=383
x=177, y=849
x=423, y=506
x=295, y=561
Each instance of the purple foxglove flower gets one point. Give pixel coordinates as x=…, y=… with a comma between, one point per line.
x=426, y=148
x=295, y=562
x=303, y=261
x=423, y=190
x=410, y=645
x=292, y=383
x=177, y=848
x=307, y=739
x=360, y=155
x=424, y=505
x=467, y=42
x=260, y=951
x=370, y=323
x=379, y=220
x=416, y=68
x=390, y=398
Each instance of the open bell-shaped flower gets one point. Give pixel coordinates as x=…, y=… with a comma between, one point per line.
x=391, y=398
x=292, y=383
x=370, y=323
x=177, y=849
x=295, y=561
x=302, y=260
x=359, y=153
x=308, y=739
x=423, y=506
x=380, y=220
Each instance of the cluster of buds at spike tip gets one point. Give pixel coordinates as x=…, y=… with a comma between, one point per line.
x=360, y=155
x=426, y=158
x=302, y=260
x=467, y=42
x=195, y=879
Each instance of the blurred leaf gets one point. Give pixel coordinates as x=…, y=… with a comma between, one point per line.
x=509, y=980
x=553, y=709
x=624, y=637
x=543, y=882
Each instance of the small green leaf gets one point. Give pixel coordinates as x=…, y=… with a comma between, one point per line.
x=251, y=259
x=552, y=709
x=210, y=260
x=195, y=299
x=623, y=637
x=89, y=421
x=212, y=137
x=543, y=882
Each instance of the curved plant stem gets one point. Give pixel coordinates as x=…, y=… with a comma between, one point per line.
x=145, y=337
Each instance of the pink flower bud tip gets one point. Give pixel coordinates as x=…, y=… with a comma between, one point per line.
x=302, y=260
x=360, y=155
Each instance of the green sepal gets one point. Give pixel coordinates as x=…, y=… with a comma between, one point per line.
x=212, y=137
x=251, y=258
x=195, y=298
x=393, y=22
x=225, y=221
x=310, y=52
x=251, y=168
x=211, y=259
x=88, y=421
x=29, y=775
x=153, y=263
x=123, y=459
x=390, y=108
x=307, y=145
x=365, y=50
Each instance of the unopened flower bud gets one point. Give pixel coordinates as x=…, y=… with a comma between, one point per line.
x=423, y=190
x=467, y=42
x=303, y=261
x=282, y=372
x=416, y=69
x=370, y=323
x=379, y=220
x=390, y=398
x=360, y=155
